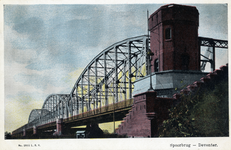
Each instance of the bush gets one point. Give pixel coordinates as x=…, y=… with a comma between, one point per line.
x=203, y=114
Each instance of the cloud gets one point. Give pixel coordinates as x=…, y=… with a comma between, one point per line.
x=15, y=14
x=213, y=20
x=19, y=79
x=39, y=82
x=30, y=26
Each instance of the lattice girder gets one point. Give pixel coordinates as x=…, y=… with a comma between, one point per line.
x=110, y=75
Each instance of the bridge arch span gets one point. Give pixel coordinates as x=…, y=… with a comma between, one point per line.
x=34, y=114
x=109, y=77
x=57, y=105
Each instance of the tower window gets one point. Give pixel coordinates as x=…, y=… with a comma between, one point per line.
x=168, y=33
x=156, y=65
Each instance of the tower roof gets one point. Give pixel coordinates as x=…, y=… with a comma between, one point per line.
x=177, y=7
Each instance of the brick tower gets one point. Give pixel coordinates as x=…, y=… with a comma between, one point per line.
x=174, y=38
x=174, y=42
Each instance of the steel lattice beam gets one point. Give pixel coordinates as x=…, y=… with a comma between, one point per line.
x=210, y=42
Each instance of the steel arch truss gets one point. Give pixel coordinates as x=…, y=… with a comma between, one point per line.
x=35, y=114
x=55, y=106
x=109, y=77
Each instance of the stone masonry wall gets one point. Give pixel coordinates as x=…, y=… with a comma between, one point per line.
x=146, y=113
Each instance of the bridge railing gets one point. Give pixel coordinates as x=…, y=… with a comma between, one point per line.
x=105, y=109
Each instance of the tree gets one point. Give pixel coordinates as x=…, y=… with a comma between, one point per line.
x=7, y=135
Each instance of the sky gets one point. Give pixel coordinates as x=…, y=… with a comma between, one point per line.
x=47, y=46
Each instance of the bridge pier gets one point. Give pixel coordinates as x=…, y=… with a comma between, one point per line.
x=34, y=130
x=148, y=111
x=27, y=133
x=36, y=133
x=24, y=132
x=59, y=128
x=93, y=130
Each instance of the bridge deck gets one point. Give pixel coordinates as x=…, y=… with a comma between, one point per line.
x=99, y=115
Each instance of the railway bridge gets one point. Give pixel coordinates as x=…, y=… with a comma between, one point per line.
x=104, y=90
